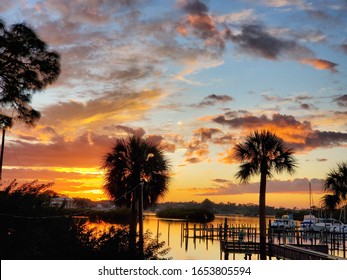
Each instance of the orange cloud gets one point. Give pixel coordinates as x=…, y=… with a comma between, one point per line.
x=197, y=151
x=299, y=135
x=320, y=64
x=83, y=151
x=118, y=106
x=200, y=23
x=206, y=133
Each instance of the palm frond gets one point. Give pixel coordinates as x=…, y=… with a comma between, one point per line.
x=265, y=152
x=335, y=183
x=132, y=162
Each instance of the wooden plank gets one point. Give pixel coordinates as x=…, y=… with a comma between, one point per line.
x=305, y=252
x=299, y=252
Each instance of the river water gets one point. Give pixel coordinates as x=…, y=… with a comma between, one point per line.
x=180, y=247
x=170, y=231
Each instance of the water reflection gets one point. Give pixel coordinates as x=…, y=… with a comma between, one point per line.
x=200, y=248
x=171, y=232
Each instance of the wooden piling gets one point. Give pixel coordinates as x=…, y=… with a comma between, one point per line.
x=187, y=230
x=225, y=228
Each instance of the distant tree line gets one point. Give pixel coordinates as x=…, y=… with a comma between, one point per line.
x=249, y=209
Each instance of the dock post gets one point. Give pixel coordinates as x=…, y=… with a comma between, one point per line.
x=187, y=229
x=284, y=237
x=168, y=234
x=269, y=232
x=225, y=229
x=158, y=232
x=344, y=244
x=195, y=231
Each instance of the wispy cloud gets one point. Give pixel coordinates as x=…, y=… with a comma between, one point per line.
x=284, y=3
x=244, y=16
x=118, y=106
x=140, y=132
x=341, y=100
x=214, y=99
x=83, y=151
x=227, y=187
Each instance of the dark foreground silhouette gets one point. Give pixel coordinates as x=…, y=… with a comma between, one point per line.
x=31, y=229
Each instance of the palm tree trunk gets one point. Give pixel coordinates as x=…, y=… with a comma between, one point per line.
x=132, y=227
x=262, y=221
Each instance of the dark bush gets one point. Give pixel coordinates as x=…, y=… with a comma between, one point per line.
x=199, y=215
x=31, y=229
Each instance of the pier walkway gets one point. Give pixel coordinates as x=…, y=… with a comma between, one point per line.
x=284, y=251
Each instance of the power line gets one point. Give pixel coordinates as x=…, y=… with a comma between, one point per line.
x=43, y=217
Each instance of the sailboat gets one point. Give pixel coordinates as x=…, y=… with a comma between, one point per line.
x=309, y=220
x=339, y=226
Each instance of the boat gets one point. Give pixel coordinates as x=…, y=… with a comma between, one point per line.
x=308, y=222
x=325, y=224
x=286, y=222
x=339, y=227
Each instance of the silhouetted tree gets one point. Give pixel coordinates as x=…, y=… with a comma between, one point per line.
x=133, y=163
x=336, y=186
x=26, y=67
x=207, y=204
x=263, y=153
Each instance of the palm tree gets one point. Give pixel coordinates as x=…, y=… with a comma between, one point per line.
x=263, y=153
x=336, y=186
x=135, y=165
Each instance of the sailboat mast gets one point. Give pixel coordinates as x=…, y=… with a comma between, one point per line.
x=310, y=194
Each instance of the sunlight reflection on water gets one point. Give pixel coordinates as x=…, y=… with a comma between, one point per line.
x=170, y=231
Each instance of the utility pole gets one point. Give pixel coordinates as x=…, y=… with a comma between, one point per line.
x=5, y=122
x=2, y=151
x=141, y=220
x=140, y=196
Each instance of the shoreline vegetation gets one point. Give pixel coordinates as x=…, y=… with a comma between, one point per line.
x=199, y=215
x=203, y=212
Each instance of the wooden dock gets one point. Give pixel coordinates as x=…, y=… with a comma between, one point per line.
x=284, y=251
x=236, y=247
x=303, y=252
x=295, y=244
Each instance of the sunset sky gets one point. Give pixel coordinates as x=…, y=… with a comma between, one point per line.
x=197, y=76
